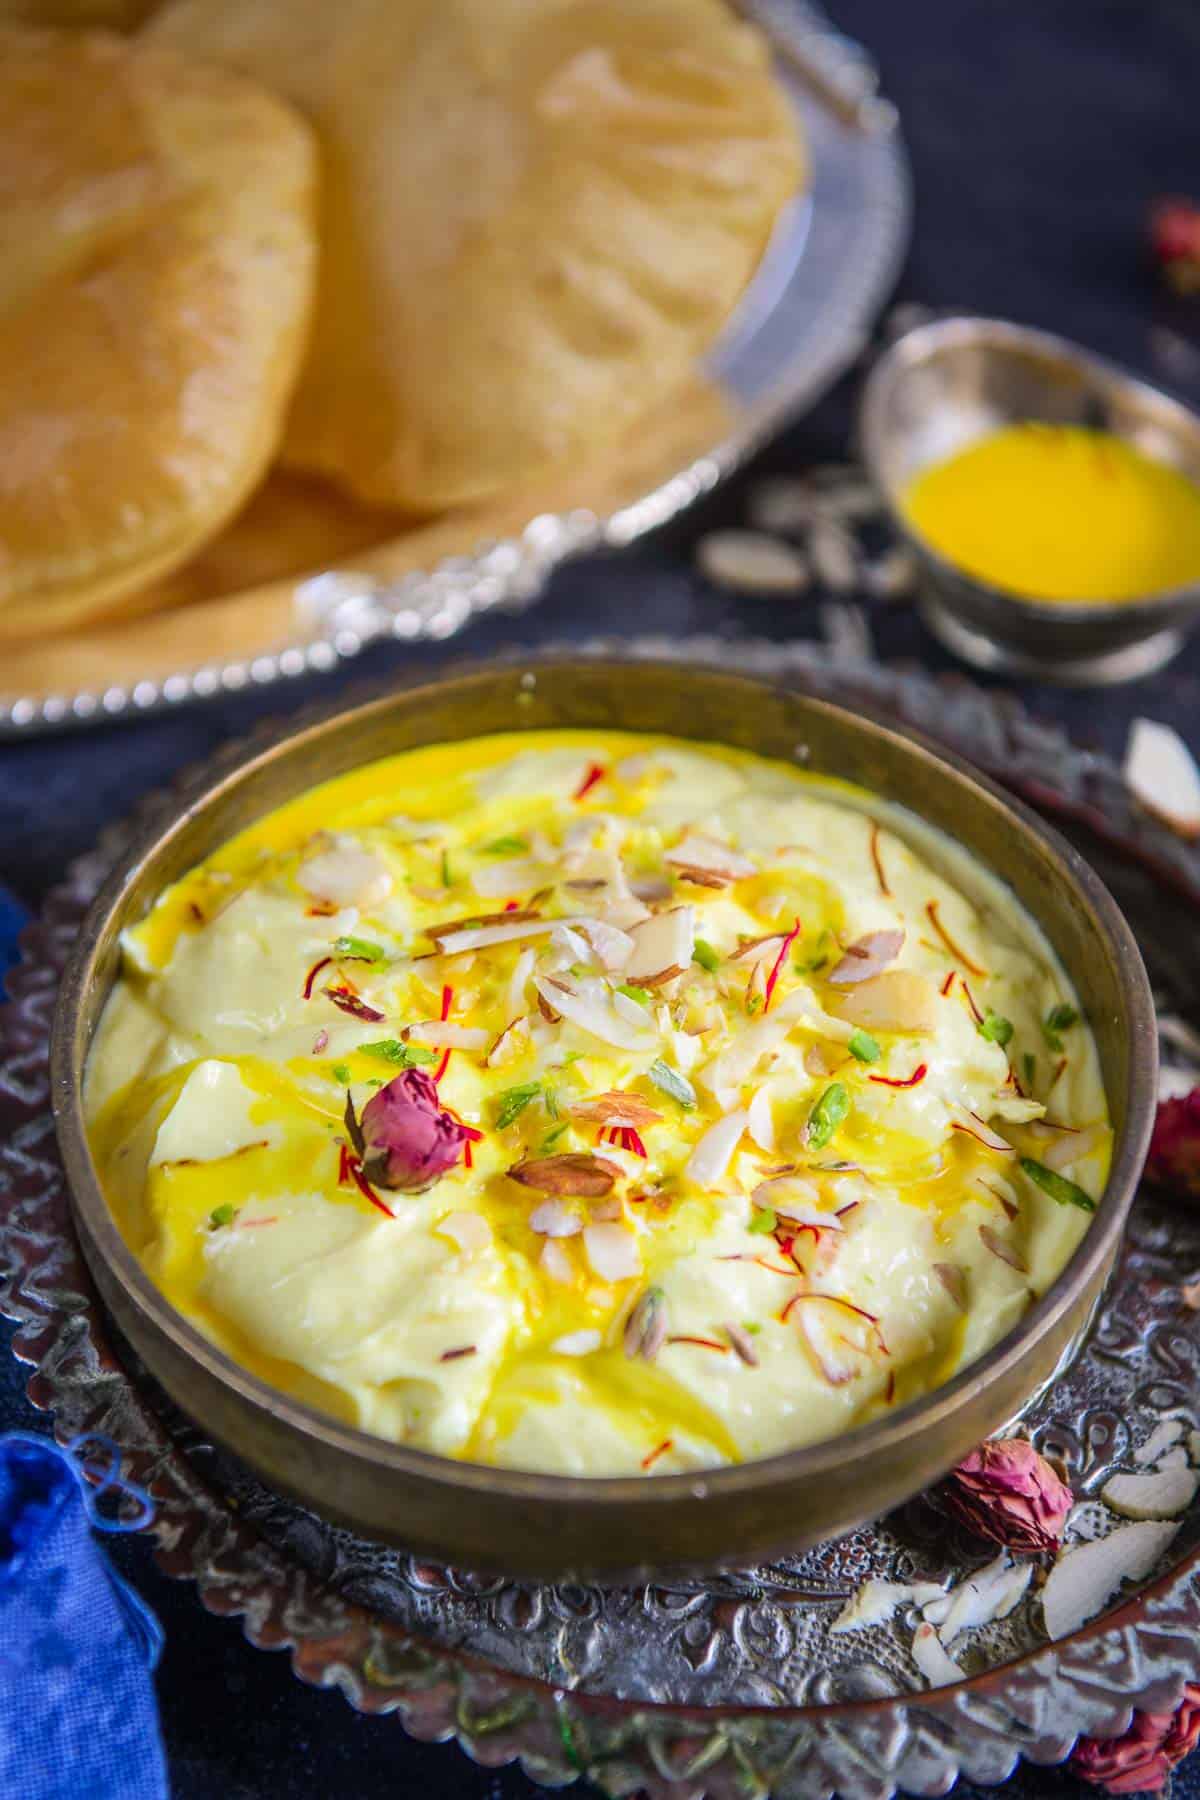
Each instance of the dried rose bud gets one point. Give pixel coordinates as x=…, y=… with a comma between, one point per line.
x=1175, y=242
x=409, y=1141
x=1142, y=1757
x=1006, y=1492
x=1174, y=1159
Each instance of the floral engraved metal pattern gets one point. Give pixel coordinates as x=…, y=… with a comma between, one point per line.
x=620, y=1685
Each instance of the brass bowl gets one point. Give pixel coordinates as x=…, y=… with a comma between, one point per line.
x=944, y=385
x=555, y=1527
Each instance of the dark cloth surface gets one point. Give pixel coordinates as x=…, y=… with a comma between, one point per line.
x=1040, y=130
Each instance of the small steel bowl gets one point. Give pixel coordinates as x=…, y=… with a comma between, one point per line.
x=944, y=385
x=556, y=1527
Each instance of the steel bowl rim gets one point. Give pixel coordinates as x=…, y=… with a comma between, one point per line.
x=1156, y=608
x=237, y=763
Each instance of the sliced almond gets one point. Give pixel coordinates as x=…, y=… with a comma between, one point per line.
x=867, y=957
x=513, y=1038
x=1162, y=774
x=990, y=1593
x=1007, y=1253
x=571, y=1173
x=898, y=1000
x=617, y=1108
x=1163, y=1437
x=1161, y=1494
x=1073, y=1146
x=939, y=1669
x=953, y=1278
x=661, y=942
x=1084, y=1579
x=444, y=1034
x=711, y=1155
x=708, y=862
x=742, y=1344
x=759, y=949
x=875, y=1602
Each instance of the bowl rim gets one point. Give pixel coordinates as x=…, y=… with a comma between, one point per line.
x=238, y=763
x=1006, y=336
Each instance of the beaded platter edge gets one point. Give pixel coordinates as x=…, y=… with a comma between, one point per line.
x=1032, y=1707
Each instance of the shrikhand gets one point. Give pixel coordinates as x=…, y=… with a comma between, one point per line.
x=596, y=1103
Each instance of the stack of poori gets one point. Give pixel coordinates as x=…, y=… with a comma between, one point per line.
x=426, y=250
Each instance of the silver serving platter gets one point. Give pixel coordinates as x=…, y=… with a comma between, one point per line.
x=806, y=317
x=723, y=1686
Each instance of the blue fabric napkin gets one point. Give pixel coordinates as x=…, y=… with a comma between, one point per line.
x=77, y=1645
x=13, y=919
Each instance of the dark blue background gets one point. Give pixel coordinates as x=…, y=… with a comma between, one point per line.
x=1040, y=130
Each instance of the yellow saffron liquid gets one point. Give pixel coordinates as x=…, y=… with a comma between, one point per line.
x=1060, y=512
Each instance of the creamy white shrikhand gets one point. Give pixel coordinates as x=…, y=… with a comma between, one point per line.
x=802, y=1111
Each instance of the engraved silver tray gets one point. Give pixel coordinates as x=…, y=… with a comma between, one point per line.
x=807, y=315
x=723, y=1686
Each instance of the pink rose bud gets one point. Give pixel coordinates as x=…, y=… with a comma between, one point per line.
x=409, y=1140
x=1174, y=1159
x=1006, y=1492
x=1175, y=242
x=1144, y=1755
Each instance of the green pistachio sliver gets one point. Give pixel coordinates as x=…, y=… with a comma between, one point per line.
x=670, y=1081
x=863, y=1047
x=1029, y=1068
x=1060, y=1018
x=341, y=1074
x=505, y=846
x=513, y=1101
x=356, y=949
x=631, y=991
x=221, y=1215
x=1067, y=1193
x=447, y=877
x=763, y=1222
x=995, y=1028
x=553, y=1136
x=405, y=1056
x=826, y=1116
x=705, y=955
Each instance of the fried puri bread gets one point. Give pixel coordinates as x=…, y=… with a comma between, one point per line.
x=157, y=269
x=536, y=215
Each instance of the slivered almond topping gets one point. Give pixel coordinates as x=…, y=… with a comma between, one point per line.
x=742, y=1345
x=954, y=1280
x=707, y=862
x=662, y=942
x=869, y=956
x=660, y=980
x=757, y=949
x=709, y=878
x=547, y=1011
x=616, y=1108
x=510, y=1040
x=1007, y=1252
x=476, y=921
x=573, y=1172
x=897, y=1000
